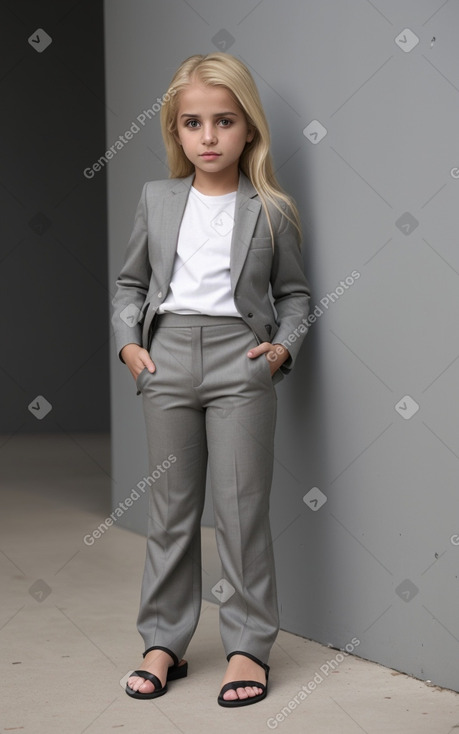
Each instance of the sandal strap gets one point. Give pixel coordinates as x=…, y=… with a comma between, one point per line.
x=166, y=649
x=149, y=676
x=235, y=684
x=265, y=666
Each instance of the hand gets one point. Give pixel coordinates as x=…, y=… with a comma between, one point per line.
x=137, y=358
x=276, y=354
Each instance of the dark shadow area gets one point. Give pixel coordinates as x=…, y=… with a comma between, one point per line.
x=53, y=249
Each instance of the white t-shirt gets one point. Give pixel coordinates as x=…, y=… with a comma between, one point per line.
x=200, y=281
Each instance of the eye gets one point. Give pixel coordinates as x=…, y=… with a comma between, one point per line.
x=224, y=122
x=192, y=123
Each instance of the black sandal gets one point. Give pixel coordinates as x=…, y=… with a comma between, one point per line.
x=234, y=685
x=174, y=672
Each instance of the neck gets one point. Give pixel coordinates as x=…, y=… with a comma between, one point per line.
x=216, y=184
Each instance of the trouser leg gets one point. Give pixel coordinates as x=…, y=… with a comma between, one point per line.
x=240, y=425
x=171, y=588
x=207, y=394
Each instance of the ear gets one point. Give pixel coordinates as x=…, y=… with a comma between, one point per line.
x=250, y=133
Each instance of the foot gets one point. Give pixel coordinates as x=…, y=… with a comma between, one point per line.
x=156, y=662
x=241, y=667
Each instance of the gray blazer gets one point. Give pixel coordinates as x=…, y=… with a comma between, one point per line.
x=254, y=268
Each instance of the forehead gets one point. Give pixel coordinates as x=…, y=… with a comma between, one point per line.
x=206, y=97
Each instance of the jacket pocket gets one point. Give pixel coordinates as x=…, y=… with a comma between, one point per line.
x=260, y=243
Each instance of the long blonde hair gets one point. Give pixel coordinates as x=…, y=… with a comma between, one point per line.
x=220, y=69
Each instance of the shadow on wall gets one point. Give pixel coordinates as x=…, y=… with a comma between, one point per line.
x=53, y=276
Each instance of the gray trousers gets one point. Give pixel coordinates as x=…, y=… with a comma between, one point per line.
x=208, y=402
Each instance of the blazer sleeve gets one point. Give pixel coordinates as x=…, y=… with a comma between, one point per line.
x=132, y=283
x=290, y=290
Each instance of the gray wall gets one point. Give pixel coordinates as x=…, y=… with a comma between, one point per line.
x=53, y=244
x=371, y=553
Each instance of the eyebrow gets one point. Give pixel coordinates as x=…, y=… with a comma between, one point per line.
x=218, y=114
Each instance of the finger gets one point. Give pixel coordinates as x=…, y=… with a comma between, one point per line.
x=138, y=368
x=259, y=349
x=146, y=361
x=150, y=365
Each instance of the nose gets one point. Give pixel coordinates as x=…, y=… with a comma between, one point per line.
x=208, y=134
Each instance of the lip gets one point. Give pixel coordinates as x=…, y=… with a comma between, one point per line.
x=210, y=155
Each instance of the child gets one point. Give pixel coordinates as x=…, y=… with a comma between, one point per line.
x=212, y=249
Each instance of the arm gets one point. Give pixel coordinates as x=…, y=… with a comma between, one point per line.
x=132, y=289
x=291, y=292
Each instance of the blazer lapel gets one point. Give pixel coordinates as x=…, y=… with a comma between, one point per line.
x=246, y=214
x=172, y=213
x=173, y=209
x=245, y=218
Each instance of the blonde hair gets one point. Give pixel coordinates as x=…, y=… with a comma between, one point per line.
x=220, y=69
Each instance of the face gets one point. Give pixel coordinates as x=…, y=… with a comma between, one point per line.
x=212, y=129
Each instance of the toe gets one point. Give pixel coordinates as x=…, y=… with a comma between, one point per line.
x=230, y=695
x=136, y=683
x=146, y=687
x=133, y=682
x=242, y=693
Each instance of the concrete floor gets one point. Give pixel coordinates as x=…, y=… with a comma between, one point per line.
x=68, y=638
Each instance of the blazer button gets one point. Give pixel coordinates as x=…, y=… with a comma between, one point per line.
x=250, y=315
x=160, y=295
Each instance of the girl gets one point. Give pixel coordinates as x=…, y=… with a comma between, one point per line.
x=209, y=314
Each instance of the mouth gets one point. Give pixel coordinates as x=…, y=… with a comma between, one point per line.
x=210, y=155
